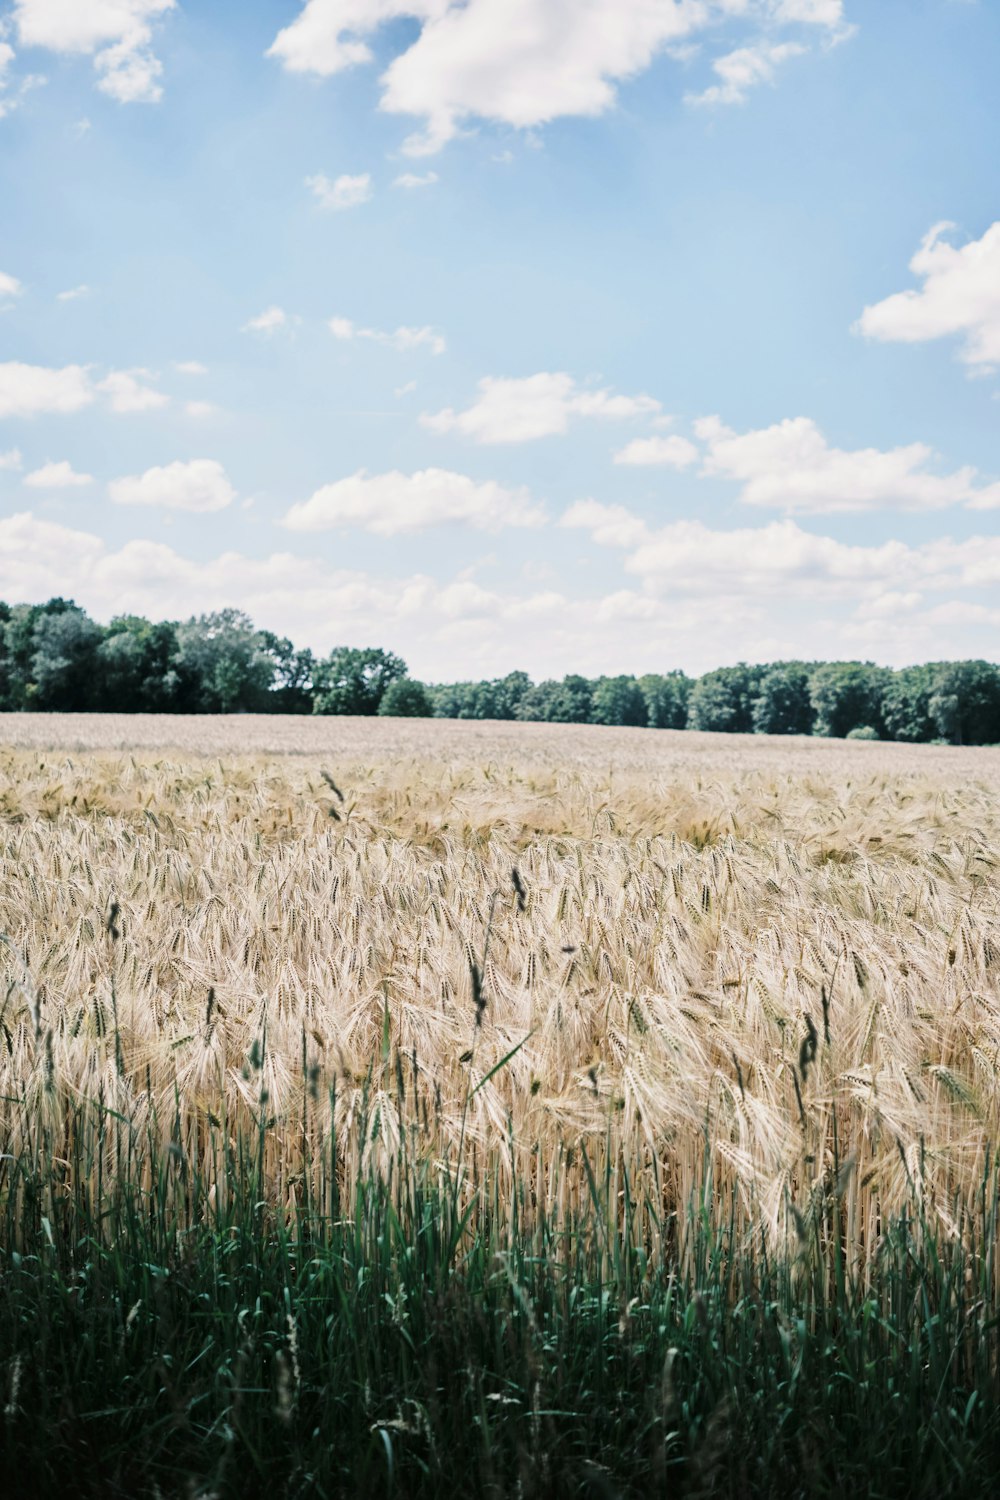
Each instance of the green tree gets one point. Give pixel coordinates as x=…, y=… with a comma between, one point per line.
x=847, y=695
x=723, y=700
x=291, y=689
x=906, y=700
x=565, y=702
x=406, y=699
x=666, y=699
x=353, y=680
x=783, y=704
x=224, y=663
x=618, y=700
x=136, y=666
x=65, y=644
x=965, y=702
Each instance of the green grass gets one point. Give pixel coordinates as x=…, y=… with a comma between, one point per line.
x=165, y=1331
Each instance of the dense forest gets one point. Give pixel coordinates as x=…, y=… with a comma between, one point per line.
x=53, y=657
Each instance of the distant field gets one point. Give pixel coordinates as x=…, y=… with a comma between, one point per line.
x=737, y=971
x=572, y=745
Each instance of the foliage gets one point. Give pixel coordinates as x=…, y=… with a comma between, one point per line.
x=352, y=681
x=863, y=732
x=783, y=704
x=52, y=656
x=618, y=700
x=406, y=699
x=723, y=700
x=848, y=693
x=666, y=698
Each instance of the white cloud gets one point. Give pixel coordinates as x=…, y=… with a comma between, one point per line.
x=200, y=486
x=743, y=70
x=269, y=321
x=126, y=392
x=439, y=626
x=116, y=33
x=461, y=626
x=6, y=58
x=517, y=411
x=73, y=293
x=412, y=180
x=11, y=459
x=200, y=410
x=9, y=286
x=780, y=559
x=29, y=390
x=519, y=62
x=670, y=452
x=402, y=338
x=388, y=504
x=190, y=367
x=343, y=192
x=792, y=467
x=57, y=476
x=960, y=295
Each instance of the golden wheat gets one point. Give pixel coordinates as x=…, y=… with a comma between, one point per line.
x=724, y=945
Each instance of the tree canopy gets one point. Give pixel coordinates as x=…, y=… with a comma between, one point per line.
x=54, y=657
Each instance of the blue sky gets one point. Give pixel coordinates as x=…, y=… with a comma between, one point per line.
x=597, y=335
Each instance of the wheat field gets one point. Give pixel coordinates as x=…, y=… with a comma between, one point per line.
x=774, y=962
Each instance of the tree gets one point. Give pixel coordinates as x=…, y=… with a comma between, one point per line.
x=63, y=661
x=565, y=702
x=723, y=700
x=906, y=699
x=783, y=704
x=224, y=663
x=20, y=648
x=847, y=695
x=136, y=666
x=406, y=699
x=618, y=700
x=666, y=699
x=965, y=702
x=292, y=681
x=353, y=680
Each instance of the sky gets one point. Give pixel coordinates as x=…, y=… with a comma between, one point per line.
x=557, y=335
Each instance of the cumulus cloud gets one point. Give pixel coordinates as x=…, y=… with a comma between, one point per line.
x=537, y=406
x=29, y=390
x=117, y=34
x=744, y=69
x=57, y=476
x=269, y=321
x=341, y=192
x=200, y=486
x=412, y=180
x=780, y=558
x=431, y=622
x=519, y=62
x=391, y=503
x=668, y=452
x=9, y=286
x=402, y=338
x=436, y=623
x=792, y=467
x=126, y=392
x=960, y=296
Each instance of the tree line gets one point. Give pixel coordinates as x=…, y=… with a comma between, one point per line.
x=54, y=657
